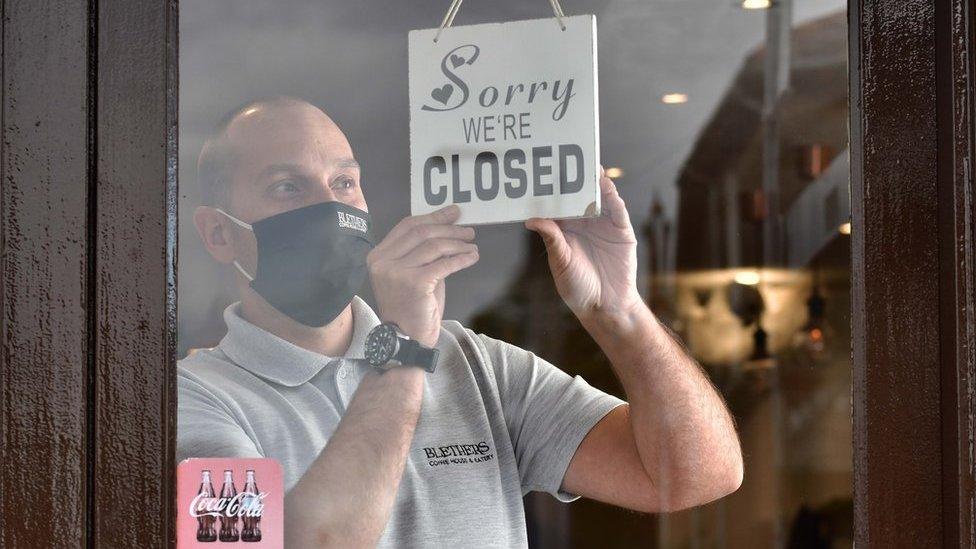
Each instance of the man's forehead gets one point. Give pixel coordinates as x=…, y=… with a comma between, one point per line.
x=292, y=167
x=274, y=122
x=282, y=135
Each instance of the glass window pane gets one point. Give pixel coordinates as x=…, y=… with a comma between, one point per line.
x=723, y=126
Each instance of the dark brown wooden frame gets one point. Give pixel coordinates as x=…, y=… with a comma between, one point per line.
x=913, y=219
x=88, y=252
x=88, y=266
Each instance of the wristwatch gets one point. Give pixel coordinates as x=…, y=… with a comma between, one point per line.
x=387, y=346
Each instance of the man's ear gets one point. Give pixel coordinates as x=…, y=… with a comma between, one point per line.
x=212, y=228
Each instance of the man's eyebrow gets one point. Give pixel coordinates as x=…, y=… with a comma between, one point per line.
x=347, y=163
x=298, y=168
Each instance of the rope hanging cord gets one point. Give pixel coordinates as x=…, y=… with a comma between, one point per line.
x=452, y=11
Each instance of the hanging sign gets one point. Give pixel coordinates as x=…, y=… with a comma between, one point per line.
x=504, y=120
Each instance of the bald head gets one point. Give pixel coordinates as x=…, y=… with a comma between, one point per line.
x=265, y=158
x=278, y=123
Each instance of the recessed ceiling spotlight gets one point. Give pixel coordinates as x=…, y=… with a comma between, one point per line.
x=674, y=98
x=747, y=277
x=756, y=4
x=614, y=173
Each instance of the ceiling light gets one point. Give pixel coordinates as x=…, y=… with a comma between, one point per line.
x=756, y=4
x=674, y=98
x=747, y=278
x=845, y=228
x=614, y=173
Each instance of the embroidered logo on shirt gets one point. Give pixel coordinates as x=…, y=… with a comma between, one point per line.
x=458, y=454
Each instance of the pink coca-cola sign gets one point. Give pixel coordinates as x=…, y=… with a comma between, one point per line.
x=223, y=501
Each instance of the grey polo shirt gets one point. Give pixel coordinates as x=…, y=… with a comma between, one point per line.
x=496, y=422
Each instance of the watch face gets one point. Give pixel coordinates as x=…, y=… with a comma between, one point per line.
x=381, y=344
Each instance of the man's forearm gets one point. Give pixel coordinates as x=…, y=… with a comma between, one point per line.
x=345, y=497
x=684, y=433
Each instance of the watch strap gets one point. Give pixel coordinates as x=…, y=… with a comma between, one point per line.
x=413, y=353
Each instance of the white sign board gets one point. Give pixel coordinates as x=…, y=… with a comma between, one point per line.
x=504, y=120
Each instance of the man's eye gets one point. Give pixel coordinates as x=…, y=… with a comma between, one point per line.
x=344, y=183
x=285, y=187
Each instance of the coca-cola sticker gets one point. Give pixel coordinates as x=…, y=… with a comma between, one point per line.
x=223, y=501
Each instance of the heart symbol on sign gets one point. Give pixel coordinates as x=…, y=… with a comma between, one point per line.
x=442, y=93
x=457, y=60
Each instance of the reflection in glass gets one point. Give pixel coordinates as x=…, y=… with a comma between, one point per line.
x=695, y=143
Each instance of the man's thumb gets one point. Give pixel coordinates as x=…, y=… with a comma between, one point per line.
x=554, y=239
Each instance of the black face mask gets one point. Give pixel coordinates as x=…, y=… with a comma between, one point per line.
x=311, y=261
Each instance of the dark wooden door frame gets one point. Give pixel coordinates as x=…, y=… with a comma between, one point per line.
x=88, y=273
x=88, y=253
x=44, y=290
x=911, y=94
x=956, y=91
x=135, y=237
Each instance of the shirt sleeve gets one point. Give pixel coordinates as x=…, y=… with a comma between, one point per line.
x=204, y=427
x=548, y=413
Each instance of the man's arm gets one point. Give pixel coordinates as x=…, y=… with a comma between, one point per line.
x=345, y=497
x=674, y=446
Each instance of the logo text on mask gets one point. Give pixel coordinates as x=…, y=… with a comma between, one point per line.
x=349, y=221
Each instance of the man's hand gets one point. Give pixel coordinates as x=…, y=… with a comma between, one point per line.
x=594, y=260
x=408, y=268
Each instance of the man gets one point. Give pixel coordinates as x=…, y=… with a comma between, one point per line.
x=399, y=456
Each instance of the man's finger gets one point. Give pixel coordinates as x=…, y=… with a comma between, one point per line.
x=396, y=248
x=434, y=249
x=447, y=214
x=446, y=266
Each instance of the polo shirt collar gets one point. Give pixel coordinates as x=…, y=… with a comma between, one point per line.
x=274, y=359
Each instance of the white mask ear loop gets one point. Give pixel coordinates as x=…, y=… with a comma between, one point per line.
x=246, y=226
x=243, y=272
x=235, y=220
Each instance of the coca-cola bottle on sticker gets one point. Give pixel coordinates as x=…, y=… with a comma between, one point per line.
x=228, y=515
x=252, y=510
x=205, y=523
